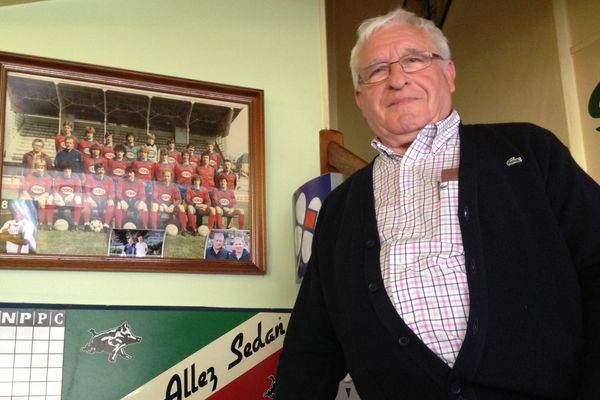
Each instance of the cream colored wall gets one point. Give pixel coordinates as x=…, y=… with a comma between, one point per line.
x=584, y=24
x=507, y=61
x=273, y=45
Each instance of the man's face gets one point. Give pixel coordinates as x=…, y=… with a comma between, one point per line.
x=191, y=149
x=205, y=160
x=96, y=153
x=211, y=147
x=130, y=139
x=100, y=171
x=67, y=129
x=150, y=141
x=40, y=169
x=399, y=107
x=131, y=175
x=238, y=245
x=89, y=135
x=144, y=155
x=69, y=144
x=217, y=242
x=223, y=183
x=68, y=172
x=167, y=176
x=227, y=166
x=140, y=239
x=37, y=147
x=171, y=146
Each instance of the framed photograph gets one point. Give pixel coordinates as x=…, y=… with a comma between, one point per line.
x=98, y=155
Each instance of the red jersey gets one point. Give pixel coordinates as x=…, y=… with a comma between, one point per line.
x=184, y=173
x=116, y=168
x=100, y=189
x=59, y=142
x=197, y=196
x=207, y=174
x=195, y=160
x=131, y=190
x=144, y=170
x=174, y=156
x=214, y=160
x=37, y=185
x=67, y=186
x=108, y=152
x=224, y=198
x=231, y=179
x=160, y=167
x=88, y=164
x=84, y=147
x=165, y=194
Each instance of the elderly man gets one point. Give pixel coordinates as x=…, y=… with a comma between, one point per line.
x=463, y=263
x=37, y=153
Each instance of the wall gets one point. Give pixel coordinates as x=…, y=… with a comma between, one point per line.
x=509, y=69
x=272, y=45
x=584, y=24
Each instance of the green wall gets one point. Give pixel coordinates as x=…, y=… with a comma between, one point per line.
x=272, y=45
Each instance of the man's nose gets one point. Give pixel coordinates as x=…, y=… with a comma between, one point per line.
x=398, y=78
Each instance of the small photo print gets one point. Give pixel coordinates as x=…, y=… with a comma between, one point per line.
x=18, y=226
x=136, y=243
x=228, y=244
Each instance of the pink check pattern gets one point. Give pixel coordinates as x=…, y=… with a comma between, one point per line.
x=422, y=256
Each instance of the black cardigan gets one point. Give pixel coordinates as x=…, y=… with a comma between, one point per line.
x=531, y=233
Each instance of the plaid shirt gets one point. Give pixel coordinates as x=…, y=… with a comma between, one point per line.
x=422, y=256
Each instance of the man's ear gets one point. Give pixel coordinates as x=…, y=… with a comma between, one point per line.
x=450, y=74
x=358, y=98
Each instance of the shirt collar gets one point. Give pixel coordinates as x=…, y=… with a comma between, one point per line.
x=429, y=140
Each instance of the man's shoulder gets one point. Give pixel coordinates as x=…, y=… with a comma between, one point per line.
x=522, y=135
x=516, y=130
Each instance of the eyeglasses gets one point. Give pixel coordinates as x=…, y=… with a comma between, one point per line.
x=410, y=63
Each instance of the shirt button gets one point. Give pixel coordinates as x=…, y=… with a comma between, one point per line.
x=473, y=266
x=455, y=388
x=372, y=287
x=403, y=341
x=475, y=327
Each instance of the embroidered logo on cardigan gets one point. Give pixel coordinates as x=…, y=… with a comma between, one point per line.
x=513, y=161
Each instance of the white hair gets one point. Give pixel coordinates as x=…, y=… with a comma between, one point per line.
x=398, y=16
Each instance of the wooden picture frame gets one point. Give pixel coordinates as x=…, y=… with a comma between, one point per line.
x=40, y=96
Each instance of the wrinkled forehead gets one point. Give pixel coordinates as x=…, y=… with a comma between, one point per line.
x=394, y=41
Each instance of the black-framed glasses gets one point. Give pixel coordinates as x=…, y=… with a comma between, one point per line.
x=410, y=63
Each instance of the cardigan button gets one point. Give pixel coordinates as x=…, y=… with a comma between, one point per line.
x=370, y=243
x=455, y=388
x=475, y=327
x=473, y=266
x=403, y=341
x=466, y=213
x=372, y=287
